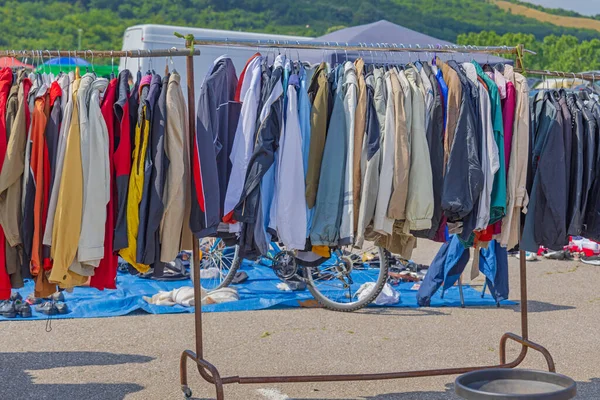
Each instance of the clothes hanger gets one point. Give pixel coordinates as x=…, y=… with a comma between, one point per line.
x=112, y=66
x=171, y=60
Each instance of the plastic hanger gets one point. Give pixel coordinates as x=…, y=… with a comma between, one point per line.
x=112, y=66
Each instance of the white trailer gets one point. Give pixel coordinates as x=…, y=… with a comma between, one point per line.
x=153, y=37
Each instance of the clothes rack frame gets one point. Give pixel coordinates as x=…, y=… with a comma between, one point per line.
x=209, y=372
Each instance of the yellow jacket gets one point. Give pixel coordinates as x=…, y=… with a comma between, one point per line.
x=134, y=195
x=67, y=219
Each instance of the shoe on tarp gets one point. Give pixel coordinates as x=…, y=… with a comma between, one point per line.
x=52, y=308
x=7, y=309
x=22, y=308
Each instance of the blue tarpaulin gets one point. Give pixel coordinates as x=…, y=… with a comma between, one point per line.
x=259, y=292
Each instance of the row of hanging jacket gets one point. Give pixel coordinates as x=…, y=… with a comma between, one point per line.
x=341, y=154
x=562, y=180
x=91, y=168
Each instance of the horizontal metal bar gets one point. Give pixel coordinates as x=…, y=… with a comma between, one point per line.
x=390, y=47
x=100, y=53
x=354, y=377
x=560, y=74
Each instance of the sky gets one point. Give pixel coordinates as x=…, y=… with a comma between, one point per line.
x=585, y=7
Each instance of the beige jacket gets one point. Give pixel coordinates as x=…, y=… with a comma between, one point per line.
x=359, y=134
x=516, y=191
x=419, y=204
x=454, y=98
x=177, y=185
x=67, y=219
x=402, y=102
x=14, y=162
x=381, y=223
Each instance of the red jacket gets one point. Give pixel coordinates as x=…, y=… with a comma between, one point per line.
x=5, y=84
x=106, y=273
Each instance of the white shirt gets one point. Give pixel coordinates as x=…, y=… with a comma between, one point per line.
x=350, y=82
x=243, y=142
x=291, y=200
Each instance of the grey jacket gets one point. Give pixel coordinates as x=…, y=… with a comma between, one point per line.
x=370, y=158
x=328, y=208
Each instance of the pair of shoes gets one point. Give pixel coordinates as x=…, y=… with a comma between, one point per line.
x=57, y=296
x=52, y=308
x=12, y=308
x=528, y=256
x=592, y=260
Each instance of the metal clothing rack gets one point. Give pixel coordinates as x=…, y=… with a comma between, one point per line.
x=209, y=372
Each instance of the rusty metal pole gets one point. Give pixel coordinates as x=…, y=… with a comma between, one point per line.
x=191, y=94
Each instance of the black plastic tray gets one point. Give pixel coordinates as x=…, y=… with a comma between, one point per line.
x=514, y=384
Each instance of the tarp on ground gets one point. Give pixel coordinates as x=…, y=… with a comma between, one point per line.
x=259, y=292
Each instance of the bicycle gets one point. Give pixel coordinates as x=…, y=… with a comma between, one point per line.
x=346, y=281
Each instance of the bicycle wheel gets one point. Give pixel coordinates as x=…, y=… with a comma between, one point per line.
x=219, y=263
x=348, y=281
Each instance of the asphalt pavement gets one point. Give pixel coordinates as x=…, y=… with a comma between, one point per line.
x=137, y=356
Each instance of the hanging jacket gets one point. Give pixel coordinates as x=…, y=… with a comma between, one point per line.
x=96, y=178
x=122, y=157
x=517, y=196
x=402, y=100
x=267, y=229
x=490, y=162
x=328, y=208
x=464, y=176
x=13, y=164
x=319, y=95
x=145, y=212
x=381, y=223
x=358, y=137
x=291, y=207
x=69, y=202
x=106, y=273
x=370, y=161
x=305, y=106
x=545, y=222
x=10, y=175
x=419, y=203
x=28, y=186
x=435, y=142
x=453, y=108
x=150, y=254
x=249, y=208
x=248, y=92
x=40, y=169
x=5, y=86
x=60, y=159
x=577, y=167
x=137, y=177
x=177, y=185
x=350, y=103
x=498, y=205
x=268, y=192
x=53, y=128
x=589, y=153
x=217, y=121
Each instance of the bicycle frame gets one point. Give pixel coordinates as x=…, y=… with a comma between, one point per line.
x=275, y=249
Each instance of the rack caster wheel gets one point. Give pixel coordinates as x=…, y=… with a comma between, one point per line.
x=187, y=392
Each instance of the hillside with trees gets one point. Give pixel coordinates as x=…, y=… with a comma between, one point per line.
x=55, y=24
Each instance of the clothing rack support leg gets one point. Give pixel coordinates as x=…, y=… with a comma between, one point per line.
x=524, y=338
x=208, y=371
